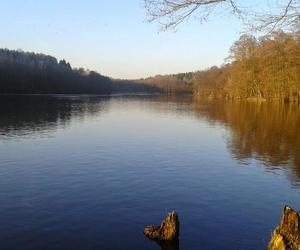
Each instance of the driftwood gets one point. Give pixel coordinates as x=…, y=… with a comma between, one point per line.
x=286, y=236
x=168, y=230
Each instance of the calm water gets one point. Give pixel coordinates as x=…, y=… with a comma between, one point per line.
x=91, y=172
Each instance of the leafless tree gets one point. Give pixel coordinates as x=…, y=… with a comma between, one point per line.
x=285, y=14
x=170, y=13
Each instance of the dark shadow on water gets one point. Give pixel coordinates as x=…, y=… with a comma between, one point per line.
x=41, y=114
x=168, y=245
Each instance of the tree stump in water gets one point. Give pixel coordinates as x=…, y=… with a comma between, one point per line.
x=167, y=231
x=286, y=236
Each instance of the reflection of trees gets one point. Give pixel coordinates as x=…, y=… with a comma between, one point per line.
x=26, y=115
x=267, y=131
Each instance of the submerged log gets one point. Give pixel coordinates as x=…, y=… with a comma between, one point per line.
x=167, y=231
x=286, y=236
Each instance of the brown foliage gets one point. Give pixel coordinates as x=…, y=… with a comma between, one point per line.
x=264, y=68
x=170, y=84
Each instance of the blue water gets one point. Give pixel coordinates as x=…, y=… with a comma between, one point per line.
x=91, y=172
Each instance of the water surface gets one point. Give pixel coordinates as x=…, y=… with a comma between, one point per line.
x=83, y=172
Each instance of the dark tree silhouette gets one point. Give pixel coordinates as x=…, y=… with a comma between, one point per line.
x=30, y=73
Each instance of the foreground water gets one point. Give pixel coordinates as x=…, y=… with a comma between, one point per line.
x=91, y=172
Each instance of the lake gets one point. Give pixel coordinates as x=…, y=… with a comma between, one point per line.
x=88, y=172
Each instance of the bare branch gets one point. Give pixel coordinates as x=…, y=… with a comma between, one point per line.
x=287, y=16
x=170, y=13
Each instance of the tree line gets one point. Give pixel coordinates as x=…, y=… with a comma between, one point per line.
x=267, y=67
x=181, y=83
x=32, y=73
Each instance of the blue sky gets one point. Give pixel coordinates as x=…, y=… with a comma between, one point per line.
x=113, y=37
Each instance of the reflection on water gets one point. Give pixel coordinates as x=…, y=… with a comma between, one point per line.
x=40, y=114
x=29, y=115
x=80, y=172
x=269, y=132
x=265, y=131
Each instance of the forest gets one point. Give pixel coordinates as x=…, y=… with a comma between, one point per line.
x=267, y=67
x=181, y=83
x=32, y=73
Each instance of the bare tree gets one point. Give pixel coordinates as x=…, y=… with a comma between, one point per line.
x=284, y=15
x=170, y=13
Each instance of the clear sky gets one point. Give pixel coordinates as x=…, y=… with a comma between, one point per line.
x=113, y=37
